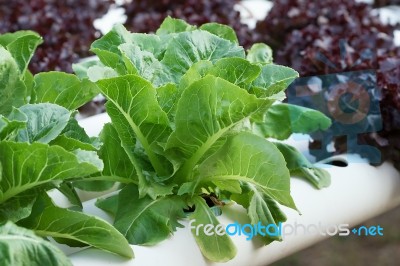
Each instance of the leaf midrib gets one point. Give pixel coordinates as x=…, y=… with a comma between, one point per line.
x=187, y=167
x=15, y=190
x=141, y=212
x=139, y=134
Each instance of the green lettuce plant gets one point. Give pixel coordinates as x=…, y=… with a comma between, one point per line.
x=194, y=116
x=42, y=147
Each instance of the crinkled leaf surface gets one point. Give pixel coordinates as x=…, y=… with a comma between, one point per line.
x=150, y=43
x=74, y=131
x=135, y=113
x=49, y=220
x=116, y=161
x=12, y=89
x=17, y=207
x=74, y=137
x=144, y=64
x=205, y=112
x=167, y=97
x=117, y=165
x=187, y=48
x=63, y=89
x=254, y=161
x=238, y=71
x=147, y=221
x=45, y=122
x=25, y=166
x=273, y=79
x=19, y=246
x=179, y=109
x=197, y=71
x=21, y=45
x=10, y=125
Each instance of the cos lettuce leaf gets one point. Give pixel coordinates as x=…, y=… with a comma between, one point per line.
x=215, y=248
x=190, y=47
x=63, y=89
x=253, y=161
x=188, y=106
x=21, y=45
x=48, y=220
x=10, y=125
x=298, y=165
x=12, y=89
x=42, y=147
x=207, y=110
x=146, y=221
x=19, y=246
x=44, y=122
x=281, y=120
x=273, y=79
x=140, y=121
x=25, y=166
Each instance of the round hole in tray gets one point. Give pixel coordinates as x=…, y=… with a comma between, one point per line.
x=339, y=162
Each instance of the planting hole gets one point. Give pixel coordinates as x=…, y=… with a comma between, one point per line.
x=339, y=162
